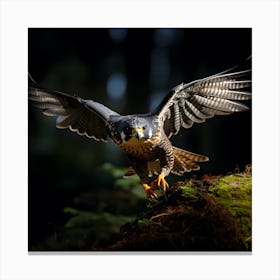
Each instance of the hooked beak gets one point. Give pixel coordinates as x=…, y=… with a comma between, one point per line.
x=138, y=133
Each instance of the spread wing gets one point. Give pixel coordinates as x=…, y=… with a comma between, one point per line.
x=85, y=117
x=202, y=99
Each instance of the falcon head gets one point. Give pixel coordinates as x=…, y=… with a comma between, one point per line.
x=131, y=128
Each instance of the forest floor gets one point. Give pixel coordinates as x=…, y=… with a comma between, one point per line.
x=208, y=214
x=211, y=214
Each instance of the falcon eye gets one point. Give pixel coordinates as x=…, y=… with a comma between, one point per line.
x=144, y=127
x=127, y=130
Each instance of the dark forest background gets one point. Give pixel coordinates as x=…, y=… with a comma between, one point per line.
x=130, y=71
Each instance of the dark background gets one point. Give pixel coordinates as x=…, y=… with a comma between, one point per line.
x=130, y=71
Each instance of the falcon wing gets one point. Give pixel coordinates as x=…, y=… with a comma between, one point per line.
x=85, y=117
x=202, y=99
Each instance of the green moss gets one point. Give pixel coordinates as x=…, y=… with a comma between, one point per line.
x=189, y=190
x=234, y=193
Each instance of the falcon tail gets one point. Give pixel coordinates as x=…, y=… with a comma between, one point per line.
x=186, y=161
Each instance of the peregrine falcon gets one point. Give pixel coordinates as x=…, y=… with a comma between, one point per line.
x=145, y=138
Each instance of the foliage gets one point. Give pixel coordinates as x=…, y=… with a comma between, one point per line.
x=95, y=215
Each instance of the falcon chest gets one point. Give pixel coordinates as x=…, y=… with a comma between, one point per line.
x=142, y=148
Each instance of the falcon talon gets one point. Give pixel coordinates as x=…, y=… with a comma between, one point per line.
x=160, y=181
x=149, y=191
x=145, y=138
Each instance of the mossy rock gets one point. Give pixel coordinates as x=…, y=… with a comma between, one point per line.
x=211, y=214
x=234, y=192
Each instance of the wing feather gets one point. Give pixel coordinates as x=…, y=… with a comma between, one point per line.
x=202, y=99
x=84, y=117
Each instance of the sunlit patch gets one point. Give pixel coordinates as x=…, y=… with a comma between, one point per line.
x=116, y=86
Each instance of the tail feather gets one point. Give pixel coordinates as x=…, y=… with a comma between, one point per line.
x=186, y=161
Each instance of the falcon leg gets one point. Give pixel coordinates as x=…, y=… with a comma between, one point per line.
x=160, y=181
x=149, y=191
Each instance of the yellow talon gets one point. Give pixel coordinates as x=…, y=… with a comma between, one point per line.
x=160, y=181
x=149, y=191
